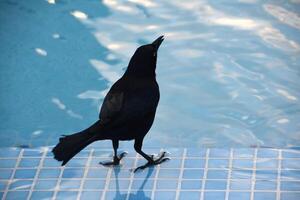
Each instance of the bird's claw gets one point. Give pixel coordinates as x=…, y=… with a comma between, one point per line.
x=158, y=161
x=116, y=160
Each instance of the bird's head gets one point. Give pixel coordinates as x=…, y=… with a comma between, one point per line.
x=143, y=61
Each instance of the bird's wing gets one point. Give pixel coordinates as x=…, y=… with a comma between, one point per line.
x=111, y=106
x=120, y=107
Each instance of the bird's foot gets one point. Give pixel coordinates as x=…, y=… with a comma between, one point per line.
x=153, y=162
x=116, y=160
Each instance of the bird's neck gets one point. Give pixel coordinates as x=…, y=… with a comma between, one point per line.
x=143, y=73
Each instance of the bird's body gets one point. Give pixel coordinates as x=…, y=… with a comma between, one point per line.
x=134, y=102
x=127, y=112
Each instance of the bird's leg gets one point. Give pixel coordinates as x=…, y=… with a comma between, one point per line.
x=151, y=162
x=116, y=159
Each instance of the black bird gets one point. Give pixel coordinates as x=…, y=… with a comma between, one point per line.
x=127, y=112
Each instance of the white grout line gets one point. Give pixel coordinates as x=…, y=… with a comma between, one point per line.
x=253, y=178
x=132, y=176
x=204, y=175
x=155, y=180
x=12, y=174
x=107, y=181
x=181, y=174
x=37, y=173
x=86, y=169
x=279, y=174
x=229, y=175
x=57, y=187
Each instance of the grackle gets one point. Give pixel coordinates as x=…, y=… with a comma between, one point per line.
x=127, y=112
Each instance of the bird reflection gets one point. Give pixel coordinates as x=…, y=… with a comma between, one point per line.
x=140, y=194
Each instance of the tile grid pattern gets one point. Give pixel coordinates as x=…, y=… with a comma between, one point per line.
x=201, y=174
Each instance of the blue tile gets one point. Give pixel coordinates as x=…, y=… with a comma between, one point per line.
x=241, y=174
x=73, y=173
x=290, y=185
x=289, y=195
x=265, y=185
x=243, y=153
x=193, y=173
x=20, y=185
x=66, y=195
x=195, y=152
x=164, y=195
x=242, y=184
x=51, y=162
x=122, y=184
x=166, y=184
x=139, y=195
x=214, y=195
x=5, y=173
x=122, y=173
x=29, y=162
x=94, y=184
x=215, y=185
x=137, y=184
x=49, y=173
x=239, y=196
x=16, y=195
x=114, y=195
x=25, y=173
x=290, y=154
x=267, y=163
x=145, y=173
x=103, y=153
x=217, y=174
x=219, y=153
x=194, y=163
x=175, y=152
x=91, y=195
x=32, y=153
x=84, y=153
x=45, y=184
x=265, y=195
x=173, y=163
x=127, y=162
x=266, y=174
x=3, y=184
x=97, y=173
x=70, y=184
x=95, y=162
x=242, y=163
x=191, y=185
x=218, y=163
x=267, y=153
x=9, y=152
x=290, y=164
x=8, y=163
x=189, y=195
x=168, y=173
x=290, y=174
x=38, y=195
x=77, y=162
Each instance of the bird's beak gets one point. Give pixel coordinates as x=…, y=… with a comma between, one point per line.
x=157, y=42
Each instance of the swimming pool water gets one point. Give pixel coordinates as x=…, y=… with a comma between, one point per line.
x=228, y=70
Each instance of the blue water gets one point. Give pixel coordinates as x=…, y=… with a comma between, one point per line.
x=228, y=70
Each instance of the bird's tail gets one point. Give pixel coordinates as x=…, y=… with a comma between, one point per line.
x=70, y=145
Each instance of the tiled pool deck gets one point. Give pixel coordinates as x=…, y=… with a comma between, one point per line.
x=202, y=174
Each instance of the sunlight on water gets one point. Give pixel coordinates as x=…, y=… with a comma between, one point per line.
x=228, y=72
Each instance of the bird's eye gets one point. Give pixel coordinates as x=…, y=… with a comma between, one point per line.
x=154, y=54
